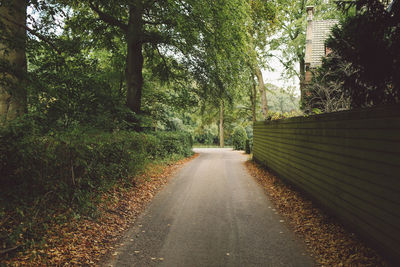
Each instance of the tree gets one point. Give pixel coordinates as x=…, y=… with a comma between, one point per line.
x=290, y=40
x=164, y=26
x=262, y=19
x=263, y=93
x=221, y=56
x=253, y=99
x=368, y=42
x=351, y=76
x=282, y=101
x=13, y=65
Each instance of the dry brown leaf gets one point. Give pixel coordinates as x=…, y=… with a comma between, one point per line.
x=327, y=240
x=86, y=242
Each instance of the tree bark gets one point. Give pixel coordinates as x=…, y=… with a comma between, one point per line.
x=254, y=101
x=134, y=61
x=261, y=89
x=221, y=124
x=302, y=78
x=13, y=66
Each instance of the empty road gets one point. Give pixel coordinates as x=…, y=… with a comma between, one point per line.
x=212, y=213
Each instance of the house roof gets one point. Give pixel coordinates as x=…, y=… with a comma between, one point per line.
x=320, y=32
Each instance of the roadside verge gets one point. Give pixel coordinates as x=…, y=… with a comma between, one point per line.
x=326, y=238
x=84, y=241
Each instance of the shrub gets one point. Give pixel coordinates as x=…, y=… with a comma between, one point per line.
x=207, y=135
x=76, y=161
x=69, y=170
x=239, y=138
x=366, y=78
x=175, y=143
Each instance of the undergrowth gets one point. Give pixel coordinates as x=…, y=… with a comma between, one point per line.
x=53, y=177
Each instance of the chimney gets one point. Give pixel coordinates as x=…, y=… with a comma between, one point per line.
x=310, y=15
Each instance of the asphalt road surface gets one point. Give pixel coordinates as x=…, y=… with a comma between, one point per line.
x=212, y=213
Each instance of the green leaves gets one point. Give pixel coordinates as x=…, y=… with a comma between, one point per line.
x=351, y=76
x=370, y=78
x=291, y=28
x=239, y=138
x=52, y=174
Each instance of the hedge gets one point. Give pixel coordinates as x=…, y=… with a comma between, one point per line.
x=68, y=171
x=239, y=138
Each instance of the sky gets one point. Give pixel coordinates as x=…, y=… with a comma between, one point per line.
x=274, y=76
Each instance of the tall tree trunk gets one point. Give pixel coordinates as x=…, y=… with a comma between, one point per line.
x=13, y=65
x=261, y=89
x=253, y=101
x=302, y=78
x=134, y=62
x=221, y=124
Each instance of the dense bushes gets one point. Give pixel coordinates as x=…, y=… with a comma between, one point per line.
x=77, y=160
x=174, y=143
x=207, y=135
x=68, y=171
x=239, y=138
x=363, y=68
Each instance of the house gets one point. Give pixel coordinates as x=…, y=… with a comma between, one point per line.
x=317, y=32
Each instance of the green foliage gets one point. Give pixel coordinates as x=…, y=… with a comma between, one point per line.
x=68, y=171
x=280, y=100
x=174, y=143
x=362, y=69
x=207, y=135
x=74, y=90
x=239, y=137
x=276, y=115
x=368, y=43
x=290, y=40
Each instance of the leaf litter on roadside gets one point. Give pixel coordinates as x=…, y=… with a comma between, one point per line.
x=84, y=241
x=328, y=242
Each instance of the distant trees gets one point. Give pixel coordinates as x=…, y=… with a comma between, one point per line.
x=221, y=56
x=282, y=100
